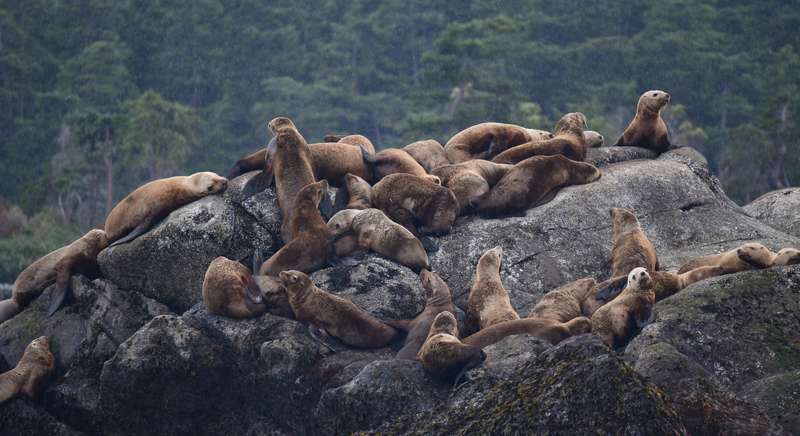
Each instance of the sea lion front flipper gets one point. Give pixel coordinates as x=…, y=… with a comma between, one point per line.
x=258, y=183
x=549, y=196
x=490, y=150
x=644, y=317
x=326, y=206
x=427, y=243
x=199, y=306
x=7, y=310
x=141, y=229
x=258, y=260
x=320, y=335
x=341, y=201
x=475, y=360
x=611, y=289
x=62, y=286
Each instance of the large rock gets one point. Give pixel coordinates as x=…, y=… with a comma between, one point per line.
x=779, y=209
x=169, y=262
x=779, y=396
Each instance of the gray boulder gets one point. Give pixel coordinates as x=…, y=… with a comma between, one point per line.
x=779, y=396
x=779, y=209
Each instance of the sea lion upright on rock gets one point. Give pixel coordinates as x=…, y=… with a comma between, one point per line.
x=569, y=141
x=485, y=140
x=647, y=130
x=229, y=290
x=32, y=372
x=631, y=247
x=429, y=154
x=747, y=257
x=355, y=194
x=148, y=204
x=535, y=180
x=616, y=321
x=488, y=302
x=56, y=267
x=470, y=179
x=443, y=355
x=327, y=315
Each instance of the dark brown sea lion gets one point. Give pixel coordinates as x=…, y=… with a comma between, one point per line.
x=229, y=290
x=665, y=284
x=443, y=355
x=148, y=204
x=376, y=232
x=488, y=302
x=417, y=329
x=631, y=247
x=356, y=194
x=311, y=237
x=32, y=372
x=647, y=130
x=483, y=141
x=616, y=321
x=327, y=315
x=542, y=328
x=533, y=181
x=429, y=154
x=56, y=267
x=470, y=179
x=394, y=161
x=568, y=141
x=744, y=258
x=564, y=304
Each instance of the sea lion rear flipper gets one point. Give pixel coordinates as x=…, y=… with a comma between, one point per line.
x=333, y=260
x=551, y=194
x=326, y=206
x=320, y=335
x=258, y=260
x=644, y=316
x=427, y=243
x=475, y=360
x=342, y=198
x=366, y=154
x=199, y=306
x=611, y=289
x=141, y=229
x=62, y=286
x=7, y=310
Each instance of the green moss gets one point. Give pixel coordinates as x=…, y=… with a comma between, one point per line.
x=787, y=357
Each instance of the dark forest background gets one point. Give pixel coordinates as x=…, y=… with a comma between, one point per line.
x=98, y=97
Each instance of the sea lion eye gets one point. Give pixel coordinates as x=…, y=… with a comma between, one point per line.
x=210, y=188
x=294, y=279
x=336, y=225
x=642, y=274
x=655, y=94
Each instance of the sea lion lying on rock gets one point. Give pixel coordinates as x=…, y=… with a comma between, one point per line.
x=485, y=140
x=747, y=257
x=569, y=142
x=564, y=304
x=542, y=328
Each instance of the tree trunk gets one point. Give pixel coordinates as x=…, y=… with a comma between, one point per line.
x=109, y=170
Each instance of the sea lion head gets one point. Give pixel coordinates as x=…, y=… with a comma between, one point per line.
x=97, y=239
x=342, y=222
x=331, y=138
x=787, y=256
x=593, y=139
x=281, y=124
x=436, y=289
x=207, y=183
x=639, y=278
x=652, y=101
x=624, y=221
x=294, y=281
x=539, y=135
x=579, y=288
x=755, y=254
x=39, y=344
x=571, y=124
x=227, y=281
x=444, y=323
x=490, y=261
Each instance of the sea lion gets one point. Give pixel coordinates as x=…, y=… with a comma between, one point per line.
x=274, y=295
x=485, y=140
x=488, y=302
x=417, y=329
x=148, y=204
x=327, y=315
x=310, y=241
x=665, y=284
x=406, y=199
x=429, y=154
x=647, y=130
x=542, y=328
x=356, y=194
x=568, y=141
x=376, y=232
x=470, y=179
x=229, y=290
x=358, y=141
x=535, y=180
x=631, y=247
x=394, y=161
x=56, y=267
x=564, y=304
x=32, y=372
x=747, y=257
x=787, y=256
x=593, y=139
x=443, y=355
x=615, y=322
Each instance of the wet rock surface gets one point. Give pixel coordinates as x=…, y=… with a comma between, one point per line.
x=722, y=356
x=779, y=209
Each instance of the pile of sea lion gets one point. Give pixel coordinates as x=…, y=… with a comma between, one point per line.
x=390, y=203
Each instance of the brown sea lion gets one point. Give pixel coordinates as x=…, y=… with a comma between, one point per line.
x=376, y=232
x=535, y=180
x=394, y=161
x=148, y=204
x=332, y=162
x=443, y=355
x=483, y=141
x=542, y=328
x=470, y=179
x=327, y=315
x=568, y=141
x=593, y=139
x=631, y=247
x=311, y=237
x=56, y=267
x=356, y=194
x=275, y=296
x=358, y=141
x=747, y=257
x=787, y=256
x=429, y=154
x=665, y=284
x=564, y=304
x=229, y=290
x=417, y=329
x=408, y=199
x=32, y=372
x=488, y=302
x=616, y=321
x=647, y=130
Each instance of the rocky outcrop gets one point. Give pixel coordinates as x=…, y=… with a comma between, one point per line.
x=721, y=355
x=779, y=209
